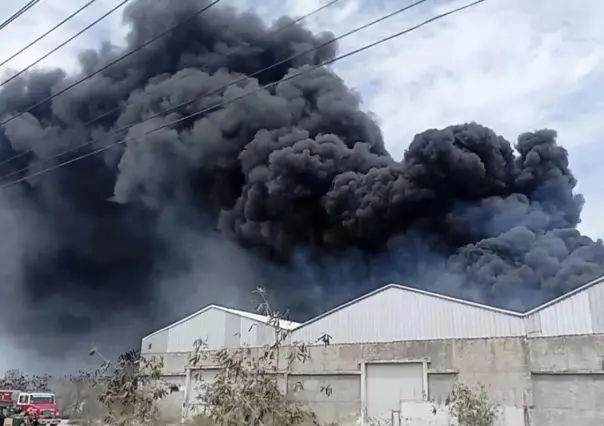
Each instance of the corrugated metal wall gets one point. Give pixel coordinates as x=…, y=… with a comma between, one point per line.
x=218, y=328
x=155, y=343
x=393, y=314
x=596, y=307
x=579, y=313
x=398, y=314
x=209, y=326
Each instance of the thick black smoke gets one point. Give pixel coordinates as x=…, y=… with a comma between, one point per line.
x=291, y=188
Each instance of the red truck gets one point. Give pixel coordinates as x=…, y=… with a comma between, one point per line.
x=39, y=408
x=8, y=397
x=8, y=400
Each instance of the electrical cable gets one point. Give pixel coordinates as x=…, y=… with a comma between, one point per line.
x=18, y=13
x=115, y=61
x=262, y=88
x=70, y=39
x=112, y=10
x=289, y=24
x=218, y=89
x=119, y=107
x=53, y=29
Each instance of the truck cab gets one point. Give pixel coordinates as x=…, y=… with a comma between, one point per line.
x=39, y=407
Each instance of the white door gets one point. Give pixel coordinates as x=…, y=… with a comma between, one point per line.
x=389, y=384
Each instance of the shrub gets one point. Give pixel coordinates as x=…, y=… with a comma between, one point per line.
x=246, y=389
x=471, y=406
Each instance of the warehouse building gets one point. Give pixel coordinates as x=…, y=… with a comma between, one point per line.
x=396, y=353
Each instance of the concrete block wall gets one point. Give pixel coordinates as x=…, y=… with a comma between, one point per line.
x=568, y=380
x=499, y=364
x=341, y=406
x=555, y=381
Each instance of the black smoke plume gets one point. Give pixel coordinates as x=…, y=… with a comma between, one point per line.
x=291, y=188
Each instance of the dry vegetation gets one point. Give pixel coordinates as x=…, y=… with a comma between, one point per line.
x=246, y=391
x=16, y=379
x=471, y=406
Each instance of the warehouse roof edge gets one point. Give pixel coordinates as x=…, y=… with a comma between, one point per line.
x=291, y=325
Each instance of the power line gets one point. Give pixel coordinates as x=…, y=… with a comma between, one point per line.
x=119, y=107
x=69, y=40
x=131, y=52
x=262, y=88
x=232, y=52
x=53, y=29
x=218, y=89
x=18, y=13
x=309, y=14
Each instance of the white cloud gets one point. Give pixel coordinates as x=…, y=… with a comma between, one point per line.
x=512, y=65
x=509, y=64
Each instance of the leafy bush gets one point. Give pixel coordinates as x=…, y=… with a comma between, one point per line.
x=246, y=389
x=15, y=379
x=130, y=389
x=78, y=397
x=471, y=406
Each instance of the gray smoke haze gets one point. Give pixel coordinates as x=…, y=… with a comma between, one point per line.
x=291, y=188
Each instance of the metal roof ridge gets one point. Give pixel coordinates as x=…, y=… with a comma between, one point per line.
x=566, y=295
x=180, y=321
x=414, y=290
x=292, y=325
x=288, y=324
x=459, y=300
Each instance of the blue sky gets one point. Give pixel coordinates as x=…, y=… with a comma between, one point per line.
x=513, y=65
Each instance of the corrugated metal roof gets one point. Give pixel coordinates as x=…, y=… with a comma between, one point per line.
x=290, y=325
x=567, y=295
x=413, y=290
x=287, y=325
x=461, y=301
x=397, y=314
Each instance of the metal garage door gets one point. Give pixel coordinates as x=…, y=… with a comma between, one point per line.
x=171, y=406
x=194, y=393
x=389, y=384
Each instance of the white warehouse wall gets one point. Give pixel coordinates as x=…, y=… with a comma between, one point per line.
x=392, y=313
x=219, y=327
x=396, y=313
x=155, y=343
x=578, y=312
x=567, y=317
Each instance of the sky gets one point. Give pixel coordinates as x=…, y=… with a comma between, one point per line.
x=511, y=65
